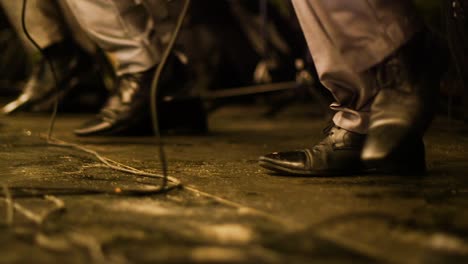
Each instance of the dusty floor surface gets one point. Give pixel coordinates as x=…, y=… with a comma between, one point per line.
x=52, y=209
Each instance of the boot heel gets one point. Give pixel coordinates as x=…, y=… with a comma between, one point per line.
x=407, y=160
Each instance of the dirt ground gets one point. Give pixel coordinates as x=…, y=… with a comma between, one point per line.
x=63, y=206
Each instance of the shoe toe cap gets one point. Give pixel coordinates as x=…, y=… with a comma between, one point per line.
x=289, y=159
x=93, y=127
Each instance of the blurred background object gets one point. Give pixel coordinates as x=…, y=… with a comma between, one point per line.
x=456, y=24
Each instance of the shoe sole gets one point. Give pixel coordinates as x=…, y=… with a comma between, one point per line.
x=383, y=167
x=407, y=159
x=269, y=165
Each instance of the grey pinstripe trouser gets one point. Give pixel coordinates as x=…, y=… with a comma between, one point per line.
x=125, y=29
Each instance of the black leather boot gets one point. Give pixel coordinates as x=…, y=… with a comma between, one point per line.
x=70, y=63
x=403, y=109
x=339, y=153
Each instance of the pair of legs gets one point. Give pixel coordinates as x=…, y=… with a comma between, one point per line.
x=131, y=33
x=124, y=29
x=49, y=23
x=56, y=31
x=372, y=56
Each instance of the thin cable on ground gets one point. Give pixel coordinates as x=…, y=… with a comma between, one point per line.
x=114, y=164
x=286, y=223
x=59, y=205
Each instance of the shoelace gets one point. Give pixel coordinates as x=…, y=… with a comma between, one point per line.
x=327, y=131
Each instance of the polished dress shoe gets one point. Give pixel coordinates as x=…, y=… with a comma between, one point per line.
x=69, y=61
x=403, y=109
x=339, y=153
x=127, y=111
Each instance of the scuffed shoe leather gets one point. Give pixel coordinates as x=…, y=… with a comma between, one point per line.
x=338, y=153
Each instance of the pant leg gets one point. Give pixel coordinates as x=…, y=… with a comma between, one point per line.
x=48, y=22
x=346, y=38
x=75, y=31
x=43, y=21
x=125, y=29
